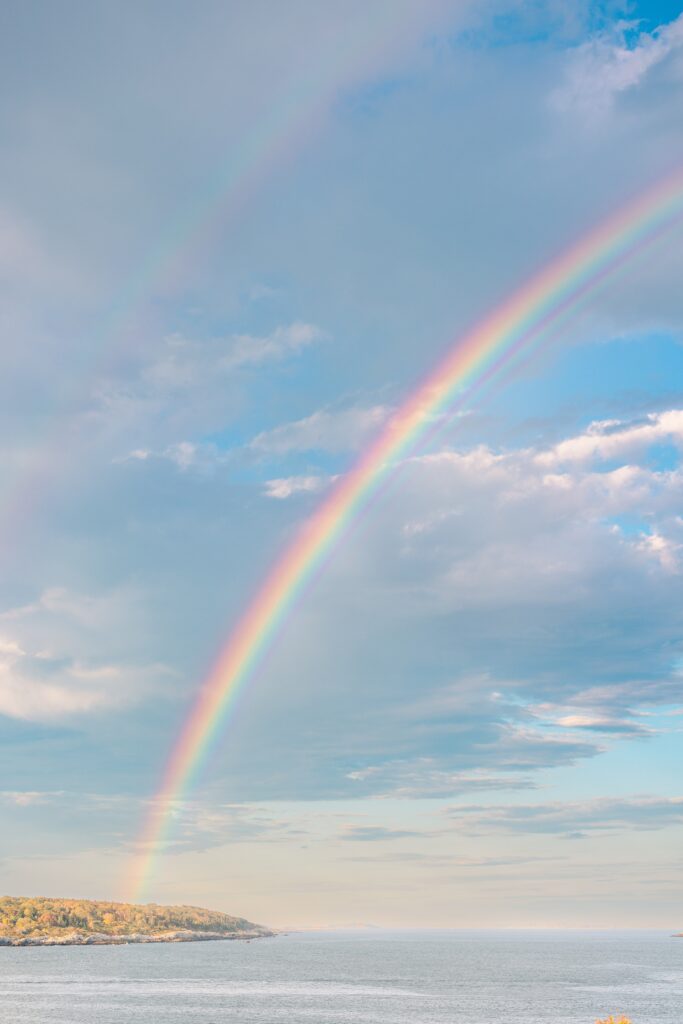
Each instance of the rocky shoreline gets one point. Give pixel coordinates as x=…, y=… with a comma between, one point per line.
x=102, y=939
x=51, y=921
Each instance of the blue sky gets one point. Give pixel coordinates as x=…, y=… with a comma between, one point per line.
x=475, y=716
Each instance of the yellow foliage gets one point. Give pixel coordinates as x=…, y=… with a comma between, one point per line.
x=614, y=1020
x=40, y=917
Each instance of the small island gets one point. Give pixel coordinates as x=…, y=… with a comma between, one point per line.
x=41, y=921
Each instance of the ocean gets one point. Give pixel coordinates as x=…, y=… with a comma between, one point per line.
x=369, y=977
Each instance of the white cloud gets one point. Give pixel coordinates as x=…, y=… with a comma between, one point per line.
x=547, y=514
x=183, y=454
x=285, y=487
x=538, y=573
x=43, y=679
x=605, y=66
x=37, y=687
x=186, y=364
x=137, y=455
x=610, y=439
x=324, y=430
x=505, y=610
x=28, y=798
x=187, y=386
x=65, y=692
x=250, y=350
x=665, y=550
x=261, y=291
x=606, y=710
x=549, y=594
x=94, y=612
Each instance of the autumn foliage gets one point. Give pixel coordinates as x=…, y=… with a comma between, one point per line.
x=614, y=1020
x=39, y=917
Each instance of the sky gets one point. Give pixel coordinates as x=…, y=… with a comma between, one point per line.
x=233, y=238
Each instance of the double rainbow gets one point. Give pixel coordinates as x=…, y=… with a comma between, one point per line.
x=516, y=325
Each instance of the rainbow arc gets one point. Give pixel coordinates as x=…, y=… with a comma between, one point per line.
x=514, y=327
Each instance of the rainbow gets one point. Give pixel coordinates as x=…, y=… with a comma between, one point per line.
x=509, y=330
x=287, y=120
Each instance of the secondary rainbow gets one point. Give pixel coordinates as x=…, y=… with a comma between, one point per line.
x=513, y=327
x=286, y=119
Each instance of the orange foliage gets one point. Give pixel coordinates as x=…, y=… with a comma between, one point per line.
x=39, y=917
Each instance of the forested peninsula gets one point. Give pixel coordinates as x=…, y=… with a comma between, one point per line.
x=40, y=921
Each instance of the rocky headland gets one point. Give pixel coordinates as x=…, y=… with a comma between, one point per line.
x=41, y=921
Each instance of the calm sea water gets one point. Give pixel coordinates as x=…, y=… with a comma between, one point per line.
x=338, y=978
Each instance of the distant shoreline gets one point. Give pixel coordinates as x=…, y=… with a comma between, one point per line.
x=102, y=939
x=50, y=921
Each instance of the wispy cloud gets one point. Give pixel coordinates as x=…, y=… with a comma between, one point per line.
x=376, y=834
x=29, y=798
x=325, y=430
x=285, y=487
x=38, y=687
x=250, y=350
x=573, y=818
x=613, y=62
x=183, y=386
x=423, y=777
x=183, y=454
x=53, y=657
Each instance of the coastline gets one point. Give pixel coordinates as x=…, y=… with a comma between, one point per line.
x=103, y=939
